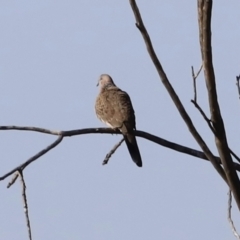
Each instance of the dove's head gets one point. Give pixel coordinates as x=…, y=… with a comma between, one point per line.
x=105, y=81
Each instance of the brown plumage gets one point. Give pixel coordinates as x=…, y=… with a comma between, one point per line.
x=114, y=107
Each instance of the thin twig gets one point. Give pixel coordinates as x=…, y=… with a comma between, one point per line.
x=194, y=77
x=194, y=85
x=112, y=151
x=238, y=85
x=25, y=205
x=203, y=115
x=234, y=155
x=230, y=215
x=33, y=129
x=13, y=180
x=200, y=69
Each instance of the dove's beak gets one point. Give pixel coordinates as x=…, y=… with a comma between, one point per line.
x=97, y=84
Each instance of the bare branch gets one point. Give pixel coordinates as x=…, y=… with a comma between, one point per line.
x=229, y=215
x=105, y=161
x=68, y=133
x=33, y=129
x=148, y=136
x=35, y=157
x=71, y=133
x=172, y=93
x=205, y=12
x=25, y=205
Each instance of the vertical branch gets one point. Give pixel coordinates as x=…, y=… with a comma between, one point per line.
x=25, y=205
x=171, y=91
x=194, y=77
x=204, y=18
x=194, y=85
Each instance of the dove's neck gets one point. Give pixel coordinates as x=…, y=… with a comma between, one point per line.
x=108, y=86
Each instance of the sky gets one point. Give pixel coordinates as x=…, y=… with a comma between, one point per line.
x=51, y=56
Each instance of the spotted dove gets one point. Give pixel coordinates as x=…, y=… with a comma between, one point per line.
x=114, y=108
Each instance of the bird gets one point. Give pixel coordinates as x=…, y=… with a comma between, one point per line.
x=114, y=107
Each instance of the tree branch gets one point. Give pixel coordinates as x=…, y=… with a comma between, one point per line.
x=172, y=93
x=70, y=133
x=204, y=12
x=32, y=129
x=35, y=157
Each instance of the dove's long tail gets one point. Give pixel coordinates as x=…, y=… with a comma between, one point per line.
x=132, y=146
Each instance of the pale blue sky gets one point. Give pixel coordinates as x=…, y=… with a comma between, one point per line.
x=51, y=55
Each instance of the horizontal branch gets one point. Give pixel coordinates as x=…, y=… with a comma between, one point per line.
x=70, y=133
